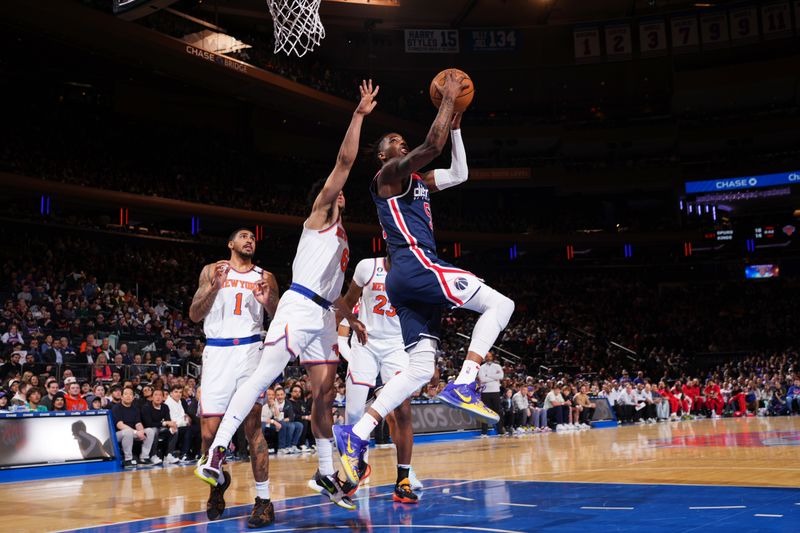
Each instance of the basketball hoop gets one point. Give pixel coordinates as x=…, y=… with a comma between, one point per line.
x=298, y=28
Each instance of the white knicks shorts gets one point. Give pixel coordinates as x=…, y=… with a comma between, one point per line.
x=306, y=330
x=366, y=362
x=225, y=368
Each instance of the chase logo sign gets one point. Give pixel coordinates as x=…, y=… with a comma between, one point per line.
x=745, y=182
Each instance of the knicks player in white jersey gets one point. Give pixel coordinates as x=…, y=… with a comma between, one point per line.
x=385, y=355
x=305, y=321
x=231, y=301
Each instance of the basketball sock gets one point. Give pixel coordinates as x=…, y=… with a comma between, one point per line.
x=325, y=456
x=469, y=372
x=364, y=427
x=273, y=360
x=421, y=362
x=262, y=489
x=402, y=472
x=495, y=310
x=355, y=401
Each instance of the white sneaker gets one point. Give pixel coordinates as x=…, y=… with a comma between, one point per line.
x=483, y=436
x=561, y=427
x=284, y=451
x=416, y=484
x=585, y=426
x=640, y=422
x=171, y=459
x=295, y=449
x=154, y=460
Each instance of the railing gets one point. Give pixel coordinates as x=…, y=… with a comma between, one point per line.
x=85, y=371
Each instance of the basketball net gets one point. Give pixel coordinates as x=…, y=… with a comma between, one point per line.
x=298, y=28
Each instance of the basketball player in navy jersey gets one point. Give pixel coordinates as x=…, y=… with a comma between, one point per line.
x=419, y=284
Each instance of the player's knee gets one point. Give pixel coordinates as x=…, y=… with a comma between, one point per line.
x=505, y=308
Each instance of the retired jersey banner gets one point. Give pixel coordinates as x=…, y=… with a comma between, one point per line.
x=431, y=41
x=587, y=44
x=685, y=34
x=652, y=37
x=714, y=30
x=492, y=40
x=618, y=41
x=744, y=25
x=776, y=20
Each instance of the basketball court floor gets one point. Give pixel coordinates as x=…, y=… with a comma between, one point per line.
x=706, y=475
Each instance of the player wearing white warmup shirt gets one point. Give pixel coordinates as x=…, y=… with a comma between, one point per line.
x=305, y=321
x=384, y=355
x=230, y=300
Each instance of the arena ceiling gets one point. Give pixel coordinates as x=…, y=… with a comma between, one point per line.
x=461, y=13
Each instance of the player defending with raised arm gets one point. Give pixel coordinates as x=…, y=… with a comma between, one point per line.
x=419, y=283
x=385, y=355
x=231, y=300
x=305, y=321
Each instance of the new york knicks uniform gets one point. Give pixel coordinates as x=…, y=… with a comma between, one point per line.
x=385, y=352
x=419, y=283
x=304, y=320
x=233, y=329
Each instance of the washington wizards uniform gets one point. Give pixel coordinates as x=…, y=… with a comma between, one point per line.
x=418, y=283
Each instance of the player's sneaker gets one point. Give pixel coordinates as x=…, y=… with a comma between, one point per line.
x=331, y=487
x=215, y=505
x=350, y=488
x=262, y=515
x=416, y=484
x=403, y=493
x=467, y=398
x=351, y=451
x=209, y=469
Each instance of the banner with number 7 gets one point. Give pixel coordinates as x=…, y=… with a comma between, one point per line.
x=685, y=33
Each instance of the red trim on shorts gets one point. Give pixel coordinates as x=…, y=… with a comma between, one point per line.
x=284, y=336
x=354, y=382
x=212, y=415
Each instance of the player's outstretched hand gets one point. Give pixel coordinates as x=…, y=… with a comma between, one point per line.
x=368, y=94
x=262, y=292
x=455, y=124
x=453, y=84
x=359, y=329
x=220, y=273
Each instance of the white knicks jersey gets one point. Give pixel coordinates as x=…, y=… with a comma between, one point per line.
x=236, y=313
x=374, y=309
x=321, y=259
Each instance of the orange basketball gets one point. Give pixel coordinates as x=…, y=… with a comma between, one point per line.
x=463, y=100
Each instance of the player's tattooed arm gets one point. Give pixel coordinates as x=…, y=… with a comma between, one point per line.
x=396, y=172
x=267, y=293
x=211, y=280
x=444, y=178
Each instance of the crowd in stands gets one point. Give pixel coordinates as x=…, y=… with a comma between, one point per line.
x=85, y=327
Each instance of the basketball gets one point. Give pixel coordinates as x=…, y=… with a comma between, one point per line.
x=463, y=100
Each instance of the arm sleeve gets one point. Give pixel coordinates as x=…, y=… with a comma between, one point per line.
x=364, y=271
x=458, y=171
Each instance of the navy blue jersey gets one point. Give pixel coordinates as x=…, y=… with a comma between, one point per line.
x=406, y=218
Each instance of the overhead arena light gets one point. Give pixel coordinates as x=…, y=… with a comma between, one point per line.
x=212, y=41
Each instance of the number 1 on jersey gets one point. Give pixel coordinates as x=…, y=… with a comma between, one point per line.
x=238, y=309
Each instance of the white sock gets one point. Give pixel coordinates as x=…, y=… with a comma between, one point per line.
x=365, y=426
x=262, y=489
x=273, y=360
x=469, y=372
x=325, y=456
